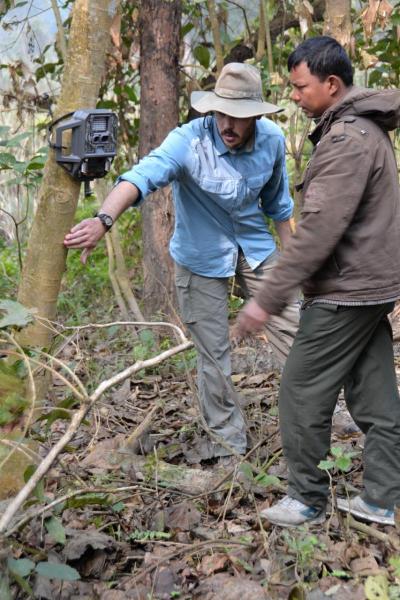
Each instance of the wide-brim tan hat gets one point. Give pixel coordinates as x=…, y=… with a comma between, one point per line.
x=237, y=93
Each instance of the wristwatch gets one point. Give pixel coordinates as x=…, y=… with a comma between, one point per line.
x=105, y=219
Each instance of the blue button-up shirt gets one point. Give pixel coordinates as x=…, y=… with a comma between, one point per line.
x=221, y=197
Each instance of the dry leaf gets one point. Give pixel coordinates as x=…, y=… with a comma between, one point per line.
x=365, y=566
x=376, y=588
x=369, y=60
x=213, y=563
x=378, y=11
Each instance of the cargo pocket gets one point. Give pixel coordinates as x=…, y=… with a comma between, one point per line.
x=182, y=282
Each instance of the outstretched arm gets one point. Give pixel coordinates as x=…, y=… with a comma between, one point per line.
x=88, y=232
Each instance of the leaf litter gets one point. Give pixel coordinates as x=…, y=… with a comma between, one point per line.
x=160, y=519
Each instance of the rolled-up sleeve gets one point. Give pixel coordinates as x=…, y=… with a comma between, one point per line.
x=160, y=167
x=276, y=201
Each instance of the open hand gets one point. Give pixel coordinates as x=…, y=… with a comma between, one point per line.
x=85, y=235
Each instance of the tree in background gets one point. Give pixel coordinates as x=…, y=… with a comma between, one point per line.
x=44, y=265
x=159, y=25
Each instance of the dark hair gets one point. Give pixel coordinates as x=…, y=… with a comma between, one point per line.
x=324, y=56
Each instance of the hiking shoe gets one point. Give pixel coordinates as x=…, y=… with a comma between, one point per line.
x=369, y=512
x=289, y=512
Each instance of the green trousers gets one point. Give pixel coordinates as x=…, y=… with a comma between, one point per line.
x=336, y=347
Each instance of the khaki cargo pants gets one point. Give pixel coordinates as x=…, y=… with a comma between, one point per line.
x=203, y=304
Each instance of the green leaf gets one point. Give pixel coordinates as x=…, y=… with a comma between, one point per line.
x=39, y=489
x=202, y=54
x=146, y=336
x=247, y=470
x=341, y=574
x=7, y=159
x=16, y=315
x=337, y=451
x=57, y=571
x=5, y=592
x=326, y=465
x=22, y=566
x=86, y=499
x=186, y=28
x=343, y=463
x=130, y=92
x=118, y=507
x=17, y=139
x=55, y=530
x=35, y=165
x=267, y=480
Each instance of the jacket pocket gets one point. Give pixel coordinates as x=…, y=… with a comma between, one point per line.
x=310, y=207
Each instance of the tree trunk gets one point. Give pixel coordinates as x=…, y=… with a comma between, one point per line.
x=337, y=21
x=89, y=41
x=159, y=76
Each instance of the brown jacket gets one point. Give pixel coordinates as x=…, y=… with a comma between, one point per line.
x=347, y=243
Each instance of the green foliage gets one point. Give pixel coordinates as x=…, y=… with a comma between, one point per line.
x=202, y=54
x=21, y=569
x=385, y=47
x=146, y=346
x=57, y=571
x=39, y=489
x=14, y=314
x=22, y=172
x=262, y=479
x=340, y=460
x=148, y=536
x=394, y=562
x=304, y=546
x=55, y=529
x=12, y=391
x=9, y=270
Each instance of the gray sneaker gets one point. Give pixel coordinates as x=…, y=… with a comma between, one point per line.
x=369, y=512
x=289, y=512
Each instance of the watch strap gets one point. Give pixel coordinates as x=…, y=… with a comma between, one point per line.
x=106, y=220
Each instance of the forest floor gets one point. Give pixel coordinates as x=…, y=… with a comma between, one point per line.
x=156, y=518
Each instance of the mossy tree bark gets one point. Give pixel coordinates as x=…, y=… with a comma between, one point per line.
x=159, y=76
x=89, y=41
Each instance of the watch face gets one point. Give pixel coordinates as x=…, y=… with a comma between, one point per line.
x=107, y=220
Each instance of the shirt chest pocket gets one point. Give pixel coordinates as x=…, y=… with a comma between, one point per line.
x=227, y=193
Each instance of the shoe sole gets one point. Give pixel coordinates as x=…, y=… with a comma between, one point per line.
x=344, y=506
x=317, y=521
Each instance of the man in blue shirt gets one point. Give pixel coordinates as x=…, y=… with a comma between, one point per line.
x=228, y=173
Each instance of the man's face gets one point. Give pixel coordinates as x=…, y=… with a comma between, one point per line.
x=310, y=94
x=234, y=132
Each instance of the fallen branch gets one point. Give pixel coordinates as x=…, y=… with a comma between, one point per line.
x=77, y=419
x=387, y=538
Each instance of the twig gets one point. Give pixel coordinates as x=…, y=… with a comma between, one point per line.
x=393, y=540
x=35, y=512
x=182, y=336
x=190, y=550
x=73, y=427
x=216, y=35
x=132, y=439
x=60, y=30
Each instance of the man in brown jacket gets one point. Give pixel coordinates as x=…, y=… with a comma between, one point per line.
x=346, y=256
